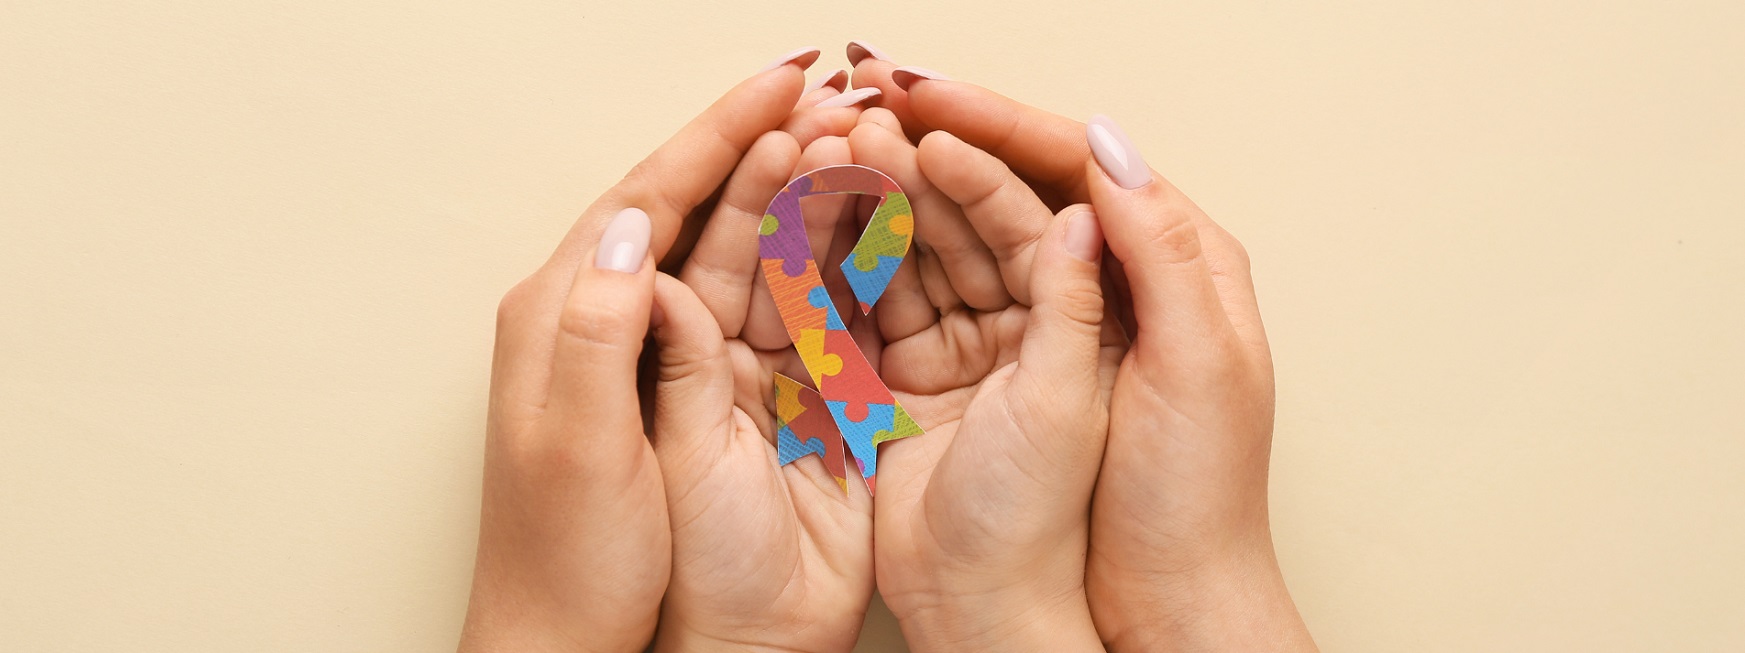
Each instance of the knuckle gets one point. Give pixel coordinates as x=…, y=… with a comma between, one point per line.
x=601, y=325
x=1175, y=240
x=515, y=302
x=1080, y=302
x=1227, y=245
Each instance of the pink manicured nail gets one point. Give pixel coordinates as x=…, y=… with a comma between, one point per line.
x=1084, y=237
x=850, y=98
x=1116, y=153
x=907, y=75
x=858, y=50
x=625, y=242
x=837, y=80
x=802, y=57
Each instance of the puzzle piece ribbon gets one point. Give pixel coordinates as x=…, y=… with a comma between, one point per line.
x=862, y=411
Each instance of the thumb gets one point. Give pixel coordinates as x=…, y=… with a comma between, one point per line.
x=693, y=392
x=592, y=397
x=1061, y=345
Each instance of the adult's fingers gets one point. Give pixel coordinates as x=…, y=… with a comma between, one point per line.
x=722, y=268
x=667, y=185
x=1152, y=229
x=872, y=69
x=940, y=226
x=827, y=111
x=1006, y=213
x=592, y=402
x=689, y=167
x=1044, y=148
x=763, y=328
x=837, y=80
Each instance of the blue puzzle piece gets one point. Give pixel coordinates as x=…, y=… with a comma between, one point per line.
x=818, y=297
x=869, y=285
x=790, y=448
x=859, y=435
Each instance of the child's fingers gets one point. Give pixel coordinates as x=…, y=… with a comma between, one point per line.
x=592, y=401
x=1005, y=212
x=1058, y=360
x=693, y=392
x=722, y=267
x=940, y=227
x=763, y=323
x=882, y=117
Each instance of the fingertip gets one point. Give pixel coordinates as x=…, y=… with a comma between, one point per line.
x=1084, y=234
x=837, y=80
x=858, y=51
x=624, y=242
x=801, y=58
x=882, y=117
x=775, y=150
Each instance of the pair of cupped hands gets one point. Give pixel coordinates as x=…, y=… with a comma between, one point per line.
x=1080, y=342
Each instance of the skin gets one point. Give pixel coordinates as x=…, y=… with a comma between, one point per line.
x=1181, y=554
x=766, y=556
x=599, y=523
x=575, y=545
x=980, y=524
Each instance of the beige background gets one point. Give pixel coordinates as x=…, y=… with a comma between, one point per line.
x=249, y=257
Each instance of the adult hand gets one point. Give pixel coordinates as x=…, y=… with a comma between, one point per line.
x=1181, y=548
x=574, y=542
x=981, y=523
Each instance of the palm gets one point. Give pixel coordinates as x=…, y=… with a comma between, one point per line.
x=764, y=554
x=752, y=538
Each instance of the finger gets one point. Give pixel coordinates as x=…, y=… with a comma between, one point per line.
x=1042, y=147
x=940, y=225
x=667, y=186
x=1006, y=214
x=1058, y=359
x=882, y=117
x=690, y=166
x=1151, y=229
x=592, y=402
x=905, y=310
x=810, y=123
x=763, y=328
x=837, y=80
x=872, y=69
x=722, y=268
x=693, y=395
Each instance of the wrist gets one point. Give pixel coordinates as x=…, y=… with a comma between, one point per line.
x=1012, y=619
x=791, y=634
x=1237, y=601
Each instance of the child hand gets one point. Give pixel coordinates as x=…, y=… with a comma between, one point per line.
x=981, y=523
x=764, y=555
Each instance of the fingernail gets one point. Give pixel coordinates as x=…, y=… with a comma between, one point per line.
x=858, y=50
x=808, y=54
x=625, y=242
x=850, y=98
x=1084, y=237
x=1116, y=153
x=838, y=80
x=907, y=75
